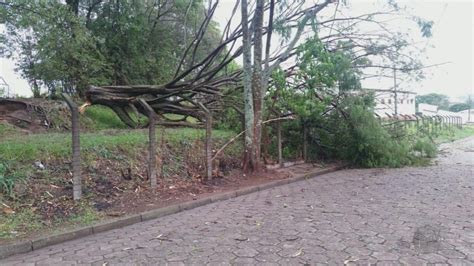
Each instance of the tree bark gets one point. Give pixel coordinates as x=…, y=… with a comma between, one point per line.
x=248, y=162
x=257, y=82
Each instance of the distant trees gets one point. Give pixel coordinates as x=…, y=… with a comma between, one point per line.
x=440, y=100
x=65, y=46
x=457, y=107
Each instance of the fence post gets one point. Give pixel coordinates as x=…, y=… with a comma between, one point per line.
x=151, y=143
x=280, y=152
x=305, y=143
x=208, y=146
x=76, y=148
x=439, y=121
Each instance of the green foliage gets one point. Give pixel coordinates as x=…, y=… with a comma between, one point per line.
x=319, y=67
x=363, y=140
x=440, y=100
x=425, y=147
x=8, y=179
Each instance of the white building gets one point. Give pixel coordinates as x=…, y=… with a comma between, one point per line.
x=432, y=110
x=467, y=116
x=385, y=102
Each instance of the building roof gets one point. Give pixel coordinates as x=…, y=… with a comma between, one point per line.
x=388, y=90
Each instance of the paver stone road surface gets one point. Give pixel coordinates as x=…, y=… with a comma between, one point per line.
x=411, y=216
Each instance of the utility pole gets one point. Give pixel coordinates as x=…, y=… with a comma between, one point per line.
x=395, y=89
x=469, y=110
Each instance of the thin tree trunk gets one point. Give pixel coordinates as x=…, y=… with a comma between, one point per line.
x=280, y=152
x=257, y=82
x=305, y=143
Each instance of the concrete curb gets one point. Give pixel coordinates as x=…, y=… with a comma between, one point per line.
x=26, y=246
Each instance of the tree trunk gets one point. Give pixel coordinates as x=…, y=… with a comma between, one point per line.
x=257, y=82
x=248, y=162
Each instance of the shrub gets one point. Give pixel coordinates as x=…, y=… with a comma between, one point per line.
x=425, y=147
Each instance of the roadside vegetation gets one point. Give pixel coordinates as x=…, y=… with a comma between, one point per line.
x=35, y=179
x=454, y=134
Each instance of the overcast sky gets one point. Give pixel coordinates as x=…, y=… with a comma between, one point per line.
x=452, y=41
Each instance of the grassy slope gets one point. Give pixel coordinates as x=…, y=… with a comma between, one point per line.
x=106, y=139
x=28, y=148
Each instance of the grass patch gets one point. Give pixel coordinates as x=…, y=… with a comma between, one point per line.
x=453, y=134
x=58, y=145
x=26, y=220
x=18, y=224
x=7, y=129
x=100, y=117
x=87, y=215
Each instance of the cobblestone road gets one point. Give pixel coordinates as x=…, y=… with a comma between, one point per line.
x=411, y=216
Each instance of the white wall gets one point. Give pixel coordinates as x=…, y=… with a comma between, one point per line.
x=385, y=103
x=427, y=109
x=466, y=118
